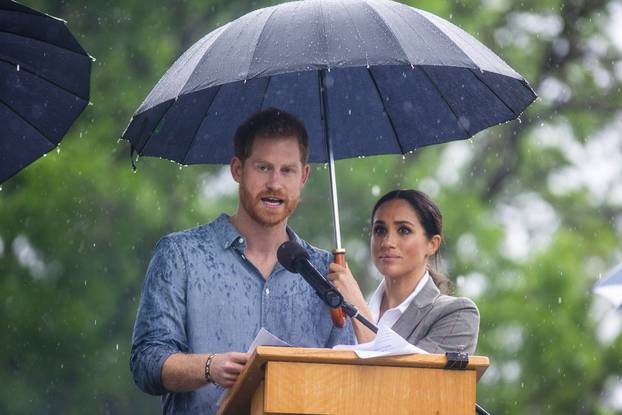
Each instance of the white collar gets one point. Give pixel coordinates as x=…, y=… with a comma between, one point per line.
x=376, y=300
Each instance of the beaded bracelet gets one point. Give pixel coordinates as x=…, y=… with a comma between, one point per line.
x=208, y=364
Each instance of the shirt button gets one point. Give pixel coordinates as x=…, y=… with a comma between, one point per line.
x=267, y=291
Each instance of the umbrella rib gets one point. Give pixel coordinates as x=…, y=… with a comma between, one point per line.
x=325, y=37
x=250, y=63
x=28, y=123
x=194, y=136
x=198, y=50
x=265, y=90
x=413, y=28
x=384, y=109
x=85, y=54
x=389, y=30
x=21, y=68
x=445, y=100
x=493, y=92
x=140, y=150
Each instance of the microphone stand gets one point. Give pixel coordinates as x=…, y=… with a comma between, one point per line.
x=353, y=312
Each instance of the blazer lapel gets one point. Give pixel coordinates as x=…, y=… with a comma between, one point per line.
x=416, y=311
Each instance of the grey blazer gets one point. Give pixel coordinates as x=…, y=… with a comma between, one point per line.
x=439, y=323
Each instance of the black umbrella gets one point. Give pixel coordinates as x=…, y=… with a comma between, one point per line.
x=44, y=84
x=366, y=77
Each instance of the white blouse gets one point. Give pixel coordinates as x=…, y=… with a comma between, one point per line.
x=393, y=314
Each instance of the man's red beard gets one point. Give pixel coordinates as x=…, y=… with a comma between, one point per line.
x=253, y=205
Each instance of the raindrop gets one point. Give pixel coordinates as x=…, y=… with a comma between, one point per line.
x=95, y=322
x=559, y=300
x=519, y=120
x=18, y=67
x=403, y=157
x=81, y=135
x=117, y=346
x=0, y=188
x=349, y=112
x=85, y=283
x=57, y=150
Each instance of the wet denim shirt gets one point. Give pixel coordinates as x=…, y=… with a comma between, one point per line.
x=202, y=296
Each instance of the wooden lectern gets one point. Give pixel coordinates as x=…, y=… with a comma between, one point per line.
x=287, y=380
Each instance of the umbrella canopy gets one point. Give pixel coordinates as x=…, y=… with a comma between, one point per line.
x=44, y=84
x=374, y=76
x=610, y=286
x=366, y=77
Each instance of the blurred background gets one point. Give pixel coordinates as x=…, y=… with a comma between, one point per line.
x=532, y=209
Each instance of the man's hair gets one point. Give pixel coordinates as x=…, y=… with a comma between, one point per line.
x=270, y=123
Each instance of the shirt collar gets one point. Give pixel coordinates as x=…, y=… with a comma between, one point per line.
x=230, y=237
x=376, y=298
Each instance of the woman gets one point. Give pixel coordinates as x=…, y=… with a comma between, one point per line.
x=406, y=233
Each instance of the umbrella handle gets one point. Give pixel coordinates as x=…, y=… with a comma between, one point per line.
x=337, y=314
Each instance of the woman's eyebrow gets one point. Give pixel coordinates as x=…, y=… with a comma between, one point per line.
x=402, y=222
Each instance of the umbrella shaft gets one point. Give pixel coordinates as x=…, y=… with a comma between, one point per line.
x=331, y=159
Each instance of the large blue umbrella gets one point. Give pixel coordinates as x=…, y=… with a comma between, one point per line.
x=44, y=84
x=610, y=286
x=366, y=76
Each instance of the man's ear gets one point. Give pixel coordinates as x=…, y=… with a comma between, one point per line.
x=236, y=167
x=306, y=169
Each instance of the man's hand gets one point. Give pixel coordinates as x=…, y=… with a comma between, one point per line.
x=226, y=367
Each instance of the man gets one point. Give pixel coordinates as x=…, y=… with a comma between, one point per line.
x=210, y=289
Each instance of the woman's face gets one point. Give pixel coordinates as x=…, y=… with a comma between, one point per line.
x=399, y=245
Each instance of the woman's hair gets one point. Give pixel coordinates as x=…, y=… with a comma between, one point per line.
x=431, y=220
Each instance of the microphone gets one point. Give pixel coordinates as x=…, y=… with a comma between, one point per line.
x=295, y=259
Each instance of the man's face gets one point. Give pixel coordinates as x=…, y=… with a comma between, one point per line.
x=270, y=179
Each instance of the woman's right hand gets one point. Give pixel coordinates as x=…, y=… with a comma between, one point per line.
x=345, y=283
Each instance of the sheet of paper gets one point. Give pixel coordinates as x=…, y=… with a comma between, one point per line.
x=386, y=343
x=265, y=338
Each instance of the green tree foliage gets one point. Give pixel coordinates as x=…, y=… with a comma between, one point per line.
x=533, y=211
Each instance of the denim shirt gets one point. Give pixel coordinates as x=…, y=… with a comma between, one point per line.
x=201, y=295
